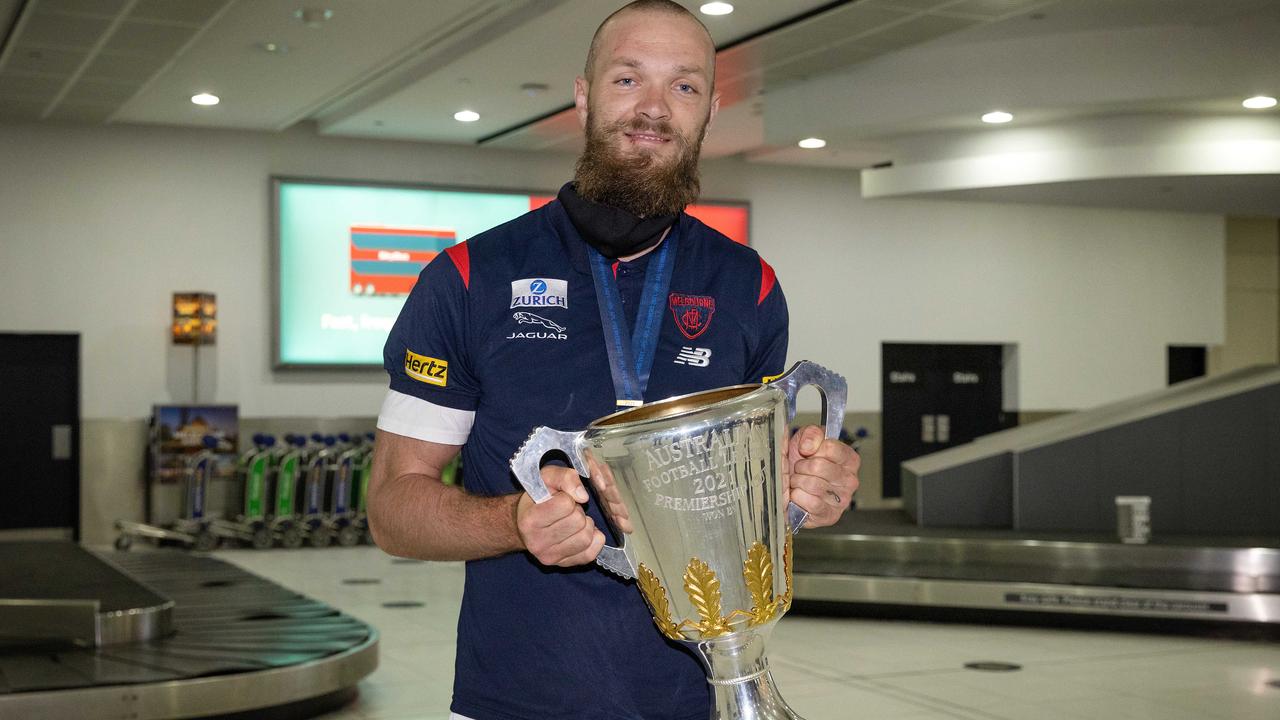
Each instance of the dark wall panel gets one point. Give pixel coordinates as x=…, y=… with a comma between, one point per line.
x=1271, y=401
x=1056, y=487
x=1224, y=446
x=1211, y=469
x=976, y=494
x=1143, y=458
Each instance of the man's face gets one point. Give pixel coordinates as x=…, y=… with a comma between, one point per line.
x=646, y=108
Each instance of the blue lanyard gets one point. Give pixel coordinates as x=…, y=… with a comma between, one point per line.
x=631, y=358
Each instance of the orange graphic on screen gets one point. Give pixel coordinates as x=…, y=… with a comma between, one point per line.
x=387, y=260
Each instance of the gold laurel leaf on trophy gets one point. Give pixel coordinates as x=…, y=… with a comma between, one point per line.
x=703, y=588
x=758, y=572
x=656, y=595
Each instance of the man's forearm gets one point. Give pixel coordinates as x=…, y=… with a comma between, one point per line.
x=420, y=517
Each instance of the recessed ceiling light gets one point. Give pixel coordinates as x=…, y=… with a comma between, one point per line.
x=812, y=143
x=996, y=117
x=1260, y=102
x=313, y=17
x=466, y=116
x=716, y=8
x=205, y=99
x=274, y=48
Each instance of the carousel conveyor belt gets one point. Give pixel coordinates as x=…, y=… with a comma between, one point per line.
x=879, y=557
x=231, y=643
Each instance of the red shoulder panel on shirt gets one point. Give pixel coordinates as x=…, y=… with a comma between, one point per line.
x=767, y=280
x=461, y=258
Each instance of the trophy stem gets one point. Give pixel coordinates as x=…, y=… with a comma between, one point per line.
x=738, y=671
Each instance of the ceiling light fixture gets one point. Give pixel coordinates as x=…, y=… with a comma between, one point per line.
x=206, y=99
x=466, y=116
x=1260, y=102
x=995, y=117
x=312, y=17
x=274, y=48
x=716, y=8
x=812, y=143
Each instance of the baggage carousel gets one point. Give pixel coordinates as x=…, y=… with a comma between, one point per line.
x=166, y=634
x=880, y=559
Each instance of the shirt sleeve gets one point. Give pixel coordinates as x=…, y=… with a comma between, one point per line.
x=770, y=356
x=433, y=392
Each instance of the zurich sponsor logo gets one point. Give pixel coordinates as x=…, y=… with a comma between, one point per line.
x=539, y=293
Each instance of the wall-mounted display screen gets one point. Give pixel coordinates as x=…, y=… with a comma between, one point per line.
x=347, y=254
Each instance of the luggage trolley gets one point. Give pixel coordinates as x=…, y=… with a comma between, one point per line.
x=192, y=529
x=286, y=520
x=363, y=464
x=255, y=471
x=311, y=519
x=339, y=521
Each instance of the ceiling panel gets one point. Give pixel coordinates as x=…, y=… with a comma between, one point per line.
x=46, y=61
x=549, y=49
x=84, y=112
x=149, y=39
x=20, y=108
x=64, y=31
x=919, y=29
x=101, y=92
x=991, y=8
x=191, y=12
x=29, y=85
x=914, y=5
x=123, y=68
x=272, y=91
x=103, y=8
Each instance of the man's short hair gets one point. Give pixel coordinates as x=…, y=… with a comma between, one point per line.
x=662, y=6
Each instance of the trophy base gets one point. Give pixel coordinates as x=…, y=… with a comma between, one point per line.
x=750, y=698
x=741, y=685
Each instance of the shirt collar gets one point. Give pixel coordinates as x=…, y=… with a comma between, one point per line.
x=577, y=248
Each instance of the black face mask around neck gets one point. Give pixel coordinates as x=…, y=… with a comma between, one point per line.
x=614, y=233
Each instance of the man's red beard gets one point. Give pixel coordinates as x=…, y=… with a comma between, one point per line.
x=639, y=182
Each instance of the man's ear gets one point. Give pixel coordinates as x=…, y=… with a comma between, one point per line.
x=580, y=89
x=711, y=116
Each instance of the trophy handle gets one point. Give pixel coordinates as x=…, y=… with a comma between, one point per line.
x=834, y=390
x=527, y=462
x=527, y=466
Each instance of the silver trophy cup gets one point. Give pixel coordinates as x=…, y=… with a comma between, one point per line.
x=693, y=486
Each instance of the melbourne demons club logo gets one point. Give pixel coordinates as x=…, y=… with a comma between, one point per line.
x=692, y=312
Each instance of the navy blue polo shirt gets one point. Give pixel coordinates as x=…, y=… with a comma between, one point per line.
x=502, y=334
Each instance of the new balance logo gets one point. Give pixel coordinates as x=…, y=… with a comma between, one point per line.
x=697, y=357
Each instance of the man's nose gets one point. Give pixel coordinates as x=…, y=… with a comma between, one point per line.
x=653, y=104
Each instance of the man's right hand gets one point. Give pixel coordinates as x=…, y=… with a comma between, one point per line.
x=559, y=531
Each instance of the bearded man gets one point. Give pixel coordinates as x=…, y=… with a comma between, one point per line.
x=507, y=331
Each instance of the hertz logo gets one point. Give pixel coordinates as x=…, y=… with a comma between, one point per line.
x=426, y=369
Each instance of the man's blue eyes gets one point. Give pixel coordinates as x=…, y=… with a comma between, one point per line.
x=682, y=87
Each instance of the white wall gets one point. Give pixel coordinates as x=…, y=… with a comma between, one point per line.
x=1091, y=297
x=98, y=226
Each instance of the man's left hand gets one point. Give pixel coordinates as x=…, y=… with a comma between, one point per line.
x=822, y=475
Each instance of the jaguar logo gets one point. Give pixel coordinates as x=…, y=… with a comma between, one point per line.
x=525, y=318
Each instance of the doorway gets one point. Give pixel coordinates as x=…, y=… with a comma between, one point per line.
x=40, y=414
x=938, y=396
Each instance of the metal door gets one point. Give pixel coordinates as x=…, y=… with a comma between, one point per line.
x=40, y=420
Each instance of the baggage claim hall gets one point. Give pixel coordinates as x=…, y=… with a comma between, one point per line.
x=277, y=445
